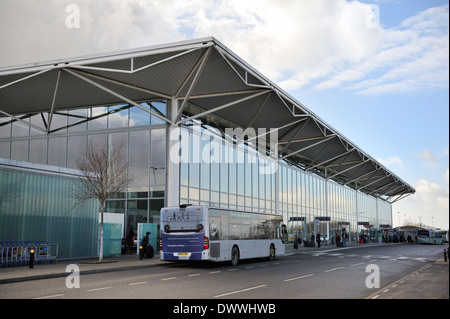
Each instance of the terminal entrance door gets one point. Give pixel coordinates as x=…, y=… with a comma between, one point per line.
x=296, y=228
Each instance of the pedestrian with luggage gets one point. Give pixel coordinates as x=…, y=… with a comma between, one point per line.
x=145, y=249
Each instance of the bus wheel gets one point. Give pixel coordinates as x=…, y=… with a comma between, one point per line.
x=234, y=256
x=272, y=252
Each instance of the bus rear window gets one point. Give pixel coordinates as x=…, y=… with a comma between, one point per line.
x=182, y=221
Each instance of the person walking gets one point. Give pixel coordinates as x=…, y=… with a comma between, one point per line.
x=344, y=239
x=318, y=240
x=312, y=240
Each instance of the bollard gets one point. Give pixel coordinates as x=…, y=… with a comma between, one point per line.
x=445, y=255
x=31, y=263
x=141, y=252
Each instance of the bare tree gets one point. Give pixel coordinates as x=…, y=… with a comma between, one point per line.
x=103, y=173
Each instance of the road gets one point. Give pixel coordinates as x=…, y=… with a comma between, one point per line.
x=335, y=274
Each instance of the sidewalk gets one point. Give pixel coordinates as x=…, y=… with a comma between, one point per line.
x=126, y=262
x=87, y=266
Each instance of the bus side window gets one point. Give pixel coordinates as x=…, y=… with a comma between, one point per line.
x=224, y=226
x=214, y=228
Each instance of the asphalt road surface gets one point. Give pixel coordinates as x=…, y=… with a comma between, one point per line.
x=370, y=272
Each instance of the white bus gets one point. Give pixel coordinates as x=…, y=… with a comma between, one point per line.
x=431, y=236
x=217, y=234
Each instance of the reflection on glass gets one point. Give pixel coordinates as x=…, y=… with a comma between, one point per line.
x=76, y=147
x=19, y=150
x=119, y=117
x=138, y=116
x=38, y=151
x=99, y=122
x=158, y=157
x=139, y=152
x=57, y=151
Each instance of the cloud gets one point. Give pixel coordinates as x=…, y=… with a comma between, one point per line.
x=433, y=160
x=431, y=196
x=318, y=45
x=427, y=155
x=392, y=161
x=411, y=57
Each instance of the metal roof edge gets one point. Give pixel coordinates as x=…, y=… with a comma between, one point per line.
x=107, y=56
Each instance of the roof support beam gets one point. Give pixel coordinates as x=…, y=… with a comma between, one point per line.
x=117, y=95
x=309, y=146
x=362, y=176
x=132, y=70
x=24, y=78
x=223, y=106
x=300, y=127
x=23, y=122
x=52, y=108
x=199, y=67
x=376, y=181
x=226, y=56
x=129, y=86
x=385, y=186
x=352, y=167
x=403, y=195
x=329, y=160
x=259, y=110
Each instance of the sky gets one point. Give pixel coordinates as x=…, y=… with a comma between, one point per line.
x=376, y=71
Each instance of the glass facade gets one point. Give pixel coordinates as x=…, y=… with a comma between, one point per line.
x=240, y=183
x=142, y=136
x=38, y=207
x=215, y=172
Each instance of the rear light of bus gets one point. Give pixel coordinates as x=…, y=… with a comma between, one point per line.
x=205, y=243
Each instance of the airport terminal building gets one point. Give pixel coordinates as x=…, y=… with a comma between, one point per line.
x=198, y=125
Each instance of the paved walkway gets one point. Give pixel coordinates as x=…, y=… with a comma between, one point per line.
x=436, y=272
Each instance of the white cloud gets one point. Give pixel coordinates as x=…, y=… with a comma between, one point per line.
x=412, y=57
x=392, y=161
x=431, y=196
x=432, y=160
x=322, y=44
x=427, y=155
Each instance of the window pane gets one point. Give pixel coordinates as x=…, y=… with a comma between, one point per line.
x=159, y=108
x=138, y=116
x=5, y=149
x=19, y=150
x=155, y=210
x=57, y=151
x=158, y=157
x=115, y=206
x=100, y=121
x=38, y=151
x=97, y=139
x=76, y=147
x=119, y=118
x=5, y=129
x=139, y=152
x=59, y=122
x=136, y=212
x=20, y=129
x=78, y=115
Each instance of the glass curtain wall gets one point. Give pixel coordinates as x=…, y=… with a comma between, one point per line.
x=238, y=184
x=141, y=135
